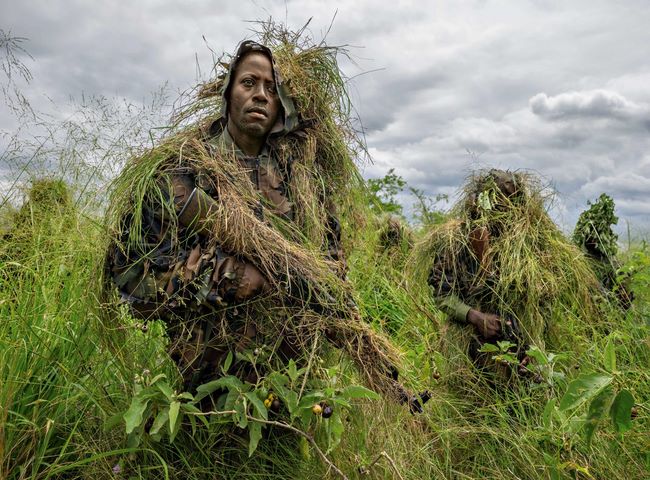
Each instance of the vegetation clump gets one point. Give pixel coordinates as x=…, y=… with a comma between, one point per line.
x=529, y=271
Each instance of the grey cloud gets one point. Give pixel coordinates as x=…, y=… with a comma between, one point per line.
x=595, y=103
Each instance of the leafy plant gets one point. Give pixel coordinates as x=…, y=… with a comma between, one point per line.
x=157, y=411
x=590, y=398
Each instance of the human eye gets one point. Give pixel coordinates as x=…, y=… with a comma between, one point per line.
x=272, y=88
x=248, y=82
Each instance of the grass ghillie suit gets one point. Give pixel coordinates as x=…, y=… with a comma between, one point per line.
x=236, y=253
x=500, y=253
x=594, y=235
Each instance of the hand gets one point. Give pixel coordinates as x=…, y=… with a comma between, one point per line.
x=487, y=325
x=414, y=402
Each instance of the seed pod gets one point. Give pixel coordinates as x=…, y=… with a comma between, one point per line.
x=317, y=409
x=275, y=405
x=267, y=403
x=327, y=411
x=538, y=378
x=436, y=375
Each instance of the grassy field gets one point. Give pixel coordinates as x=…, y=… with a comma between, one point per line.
x=71, y=363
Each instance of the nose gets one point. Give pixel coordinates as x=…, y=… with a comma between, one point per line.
x=260, y=94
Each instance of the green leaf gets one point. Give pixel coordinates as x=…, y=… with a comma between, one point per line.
x=583, y=388
x=547, y=415
x=185, y=396
x=489, y=348
x=336, y=430
x=174, y=409
x=133, y=416
x=166, y=390
x=158, y=377
x=240, y=416
x=254, y=436
x=113, y=421
x=231, y=400
x=257, y=404
x=230, y=382
x=597, y=410
x=536, y=354
x=610, y=356
x=160, y=421
x=357, y=391
x=291, y=399
x=292, y=371
x=621, y=411
x=227, y=363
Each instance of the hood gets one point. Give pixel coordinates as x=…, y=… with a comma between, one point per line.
x=288, y=118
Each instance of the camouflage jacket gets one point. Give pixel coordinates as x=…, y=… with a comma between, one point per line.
x=457, y=279
x=185, y=270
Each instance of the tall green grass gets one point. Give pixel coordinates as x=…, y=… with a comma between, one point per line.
x=68, y=362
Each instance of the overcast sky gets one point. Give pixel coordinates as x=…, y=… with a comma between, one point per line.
x=560, y=87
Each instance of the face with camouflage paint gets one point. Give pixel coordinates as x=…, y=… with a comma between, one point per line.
x=253, y=103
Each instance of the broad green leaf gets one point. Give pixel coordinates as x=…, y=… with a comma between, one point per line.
x=291, y=399
x=176, y=429
x=310, y=399
x=597, y=410
x=227, y=363
x=357, y=391
x=505, y=345
x=185, y=396
x=230, y=382
x=166, y=390
x=489, y=348
x=231, y=400
x=257, y=404
x=240, y=416
x=292, y=371
x=336, y=430
x=305, y=448
x=254, y=435
x=621, y=411
x=547, y=416
x=133, y=416
x=582, y=389
x=113, y=421
x=160, y=421
x=278, y=380
x=174, y=409
x=157, y=378
x=536, y=354
x=610, y=356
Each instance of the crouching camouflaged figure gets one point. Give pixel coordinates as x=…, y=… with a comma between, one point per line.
x=502, y=270
x=169, y=263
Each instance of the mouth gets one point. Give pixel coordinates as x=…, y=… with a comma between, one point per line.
x=257, y=111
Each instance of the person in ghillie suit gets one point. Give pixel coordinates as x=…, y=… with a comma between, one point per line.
x=594, y=235
x=227, y=230
x=501, y=270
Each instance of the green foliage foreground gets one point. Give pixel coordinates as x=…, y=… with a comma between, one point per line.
x=70, y=367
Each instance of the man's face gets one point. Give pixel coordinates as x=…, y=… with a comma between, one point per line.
x=253, y=105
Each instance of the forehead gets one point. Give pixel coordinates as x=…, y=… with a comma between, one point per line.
x=255, y=63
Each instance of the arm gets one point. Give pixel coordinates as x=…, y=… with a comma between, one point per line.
x=173, y=259
x=445, y=280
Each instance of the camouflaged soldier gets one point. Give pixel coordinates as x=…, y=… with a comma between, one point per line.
x=183, y=265
x=176, y=271
x=462, y=286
